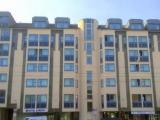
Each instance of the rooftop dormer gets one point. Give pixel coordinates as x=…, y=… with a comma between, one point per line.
x=62, y=22
x=114, y=23
x=153, y=24
x=135, y=24
x=40, y=22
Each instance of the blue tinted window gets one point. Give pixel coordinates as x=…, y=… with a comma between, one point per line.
x=68, y=82
x=40, y=24
x=41, y=101
x=42, y=83
x=2, y=96
x=88, y=30
x=110, y=82
x=68, y=101
x=69, y=54
x=43, y=40
x=136, y=26
x=4, y=49
x=89, y=76
x=30, y=101
x=32, y=54
x=31, y=67
x=134, y=68
x=110, y=67
x=43, y=67
x=33, y=40
x=144, y=68
x=30, y=83
x=109, y=40
x=115, y=26
x=3, y=77
x=89, y=48
x=3, y=62
x=69, y=40
x=5, y=35
x=153, y=26
x=43, y=54
x=89, y=60
x=68, y=67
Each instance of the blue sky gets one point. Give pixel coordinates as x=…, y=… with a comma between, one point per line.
x=24, y=10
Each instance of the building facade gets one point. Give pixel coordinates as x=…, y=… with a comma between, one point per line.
x=83, y=71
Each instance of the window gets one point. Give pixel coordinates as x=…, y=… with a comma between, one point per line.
x=32, y=54
x=89, y=106
x=143, y=42
x=109, y=67
x=43, y=67
x=88, y=30
x=135, y=83
x=132, y=41
x=4, y=20
x=43, y=54
x=144, y=56
x=109, y=40
x=30, y=83
x=110, y=82
x=147, y=100
x=69, y=40
x=136, y=26
x=89, y=77
x=68, y=101
x=89, y=60
x=68, y=67
x=5, y=35
x=134, y=67
x=33, y=40
x=68, y=82
x=43, y=40
x=3, y=62
x=30, y=101
x=31, y=67
x=153, y=26
x=2, y=96
x=133, y=55
x=136, y=100
x=40, y=24
x=115, y=26
x=146, y=83
x=41, y=101
x=69, y=54
x=42, y=83
x=3, y=77
x=4, y=49
x=144, y=68
x=102, y=101
x=111, y=100
x=109, y=55
x=89, y=91
x=88, y=47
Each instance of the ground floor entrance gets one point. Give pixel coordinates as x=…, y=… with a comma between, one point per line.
x=6, y=114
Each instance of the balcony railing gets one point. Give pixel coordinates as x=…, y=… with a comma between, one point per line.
x=69, y=58
x=33, y=43
x=32, y=58
x=29, y=105
x=147, y=104
x=43, y=43
x=133, y=44
x=143, y=45
x=4, y=53
x=111, y=104
x=41, y=105
x=43, y=58
x=69, y=43
x=69, y=105
x=137, y=104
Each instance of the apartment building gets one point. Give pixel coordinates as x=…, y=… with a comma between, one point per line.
x=83, y=71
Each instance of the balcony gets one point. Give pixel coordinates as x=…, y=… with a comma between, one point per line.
x=111, y=104
x=5, y=38
x=109, y=44
x=133, y=58
x=133, y=44
x=137, y=104
x=69, y=105
x=143, y=45
x=109, y=58
x=147, y=104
